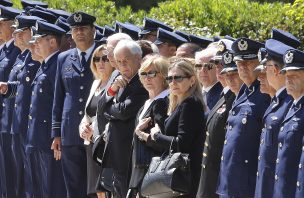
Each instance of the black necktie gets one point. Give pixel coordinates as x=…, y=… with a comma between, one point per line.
x=83, y=60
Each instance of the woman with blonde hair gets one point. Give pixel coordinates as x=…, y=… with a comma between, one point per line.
x=102, y=70
x=184, y=128
x=152, y=75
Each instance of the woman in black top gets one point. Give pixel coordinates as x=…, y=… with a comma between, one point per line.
x=102, y=70
x=152, y=75
x=185, y=124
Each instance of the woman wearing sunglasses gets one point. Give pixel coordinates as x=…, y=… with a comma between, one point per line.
x=185, y=124
x=152, y=75
x=102, y=70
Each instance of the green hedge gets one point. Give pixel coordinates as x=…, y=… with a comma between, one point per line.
x=203, y=17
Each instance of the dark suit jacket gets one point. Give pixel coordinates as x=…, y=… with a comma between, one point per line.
x=73, y=84
x=215, y=136
x=213, y=95
x=142, y=153
x=121, y=114
x=187, y=123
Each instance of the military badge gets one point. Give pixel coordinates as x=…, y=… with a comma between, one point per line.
x=289, y=57
x=227, y=58
x=78, y=18
x=243, y=45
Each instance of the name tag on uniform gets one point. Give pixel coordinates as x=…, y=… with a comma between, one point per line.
x=222, y=109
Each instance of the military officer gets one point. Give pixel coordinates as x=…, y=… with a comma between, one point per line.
x=239, y=158
x=167, y=42
x=150, y=27
x=290, y=138
x=273, y=117
x=300, y=181
x=46, y=173
x=215, y=135
x=8, y=56
x=73, y=82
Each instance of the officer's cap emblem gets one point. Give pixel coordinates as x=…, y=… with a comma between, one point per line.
x=221, y=46
x=16, y=23
x=289, y=57
x=243, y=45
x=227, y=58
x=36, y=26
x=260, y=56
x=78, y=18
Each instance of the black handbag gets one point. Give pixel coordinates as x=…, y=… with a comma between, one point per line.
x=167, y=176
x=98, y=149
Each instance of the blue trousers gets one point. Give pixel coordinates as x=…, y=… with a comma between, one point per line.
x=46, y=174
x=74, y=167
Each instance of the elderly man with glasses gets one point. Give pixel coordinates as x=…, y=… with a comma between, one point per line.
x=206, y=71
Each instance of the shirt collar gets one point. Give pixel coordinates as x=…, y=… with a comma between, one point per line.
x=279, y=91
x=163, y=94
x=207, y=89
x=88, y=52
x=9, y=42
x=226, y=89
x=50, y=56
x=297, y=100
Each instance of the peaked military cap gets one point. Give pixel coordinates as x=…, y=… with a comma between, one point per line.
x=6, y=3
x=276, y=50
x=8, y=13
x=107, y=31
x=44, y=28
x=61, y=22
x=164, y=36
x=23, y=22
x=26, y=3
x=285, y=37
x=80, y=19
x=201, y=41
x=216, y=38
x=183, y=34
x=293, y=60
x=245, y=49
x=151, y=25
x=130, y=29
x=224, y=45
x=262, y=54
x=44, y=14
x=228, y=63
x=59, y=13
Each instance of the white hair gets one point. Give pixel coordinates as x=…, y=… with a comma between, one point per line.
x=130, y=45
x=206, y=54
x=118, y=37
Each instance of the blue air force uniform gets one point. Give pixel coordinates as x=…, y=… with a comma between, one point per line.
x=239, y=158
x=46, y=173
x=73, y=83
x=272, y=120
x=290, y=140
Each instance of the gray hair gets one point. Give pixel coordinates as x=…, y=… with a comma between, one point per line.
x=118, y=37
x=130, y=45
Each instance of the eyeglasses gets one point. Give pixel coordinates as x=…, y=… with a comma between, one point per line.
x=208, y=66
x=104, y=58
x=177, y=79
x=149, y=74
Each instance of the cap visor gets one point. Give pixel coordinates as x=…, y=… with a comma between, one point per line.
x=158, y=42
x=228, y=69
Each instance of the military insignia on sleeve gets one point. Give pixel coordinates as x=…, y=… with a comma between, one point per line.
x=289, y=57
x=78, y=18
x=227, y=58
x=243, y=45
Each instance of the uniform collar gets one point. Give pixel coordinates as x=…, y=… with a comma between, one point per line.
x=88, y=51
x=8, y=43
x=50, y=56
x=280, y=91
x=295, y=102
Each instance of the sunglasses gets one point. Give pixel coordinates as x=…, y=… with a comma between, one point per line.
x=149, y=74
x=178, y=79
x=104, y=58
x=208, y=66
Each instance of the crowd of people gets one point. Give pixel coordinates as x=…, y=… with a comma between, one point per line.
x=85, y=108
